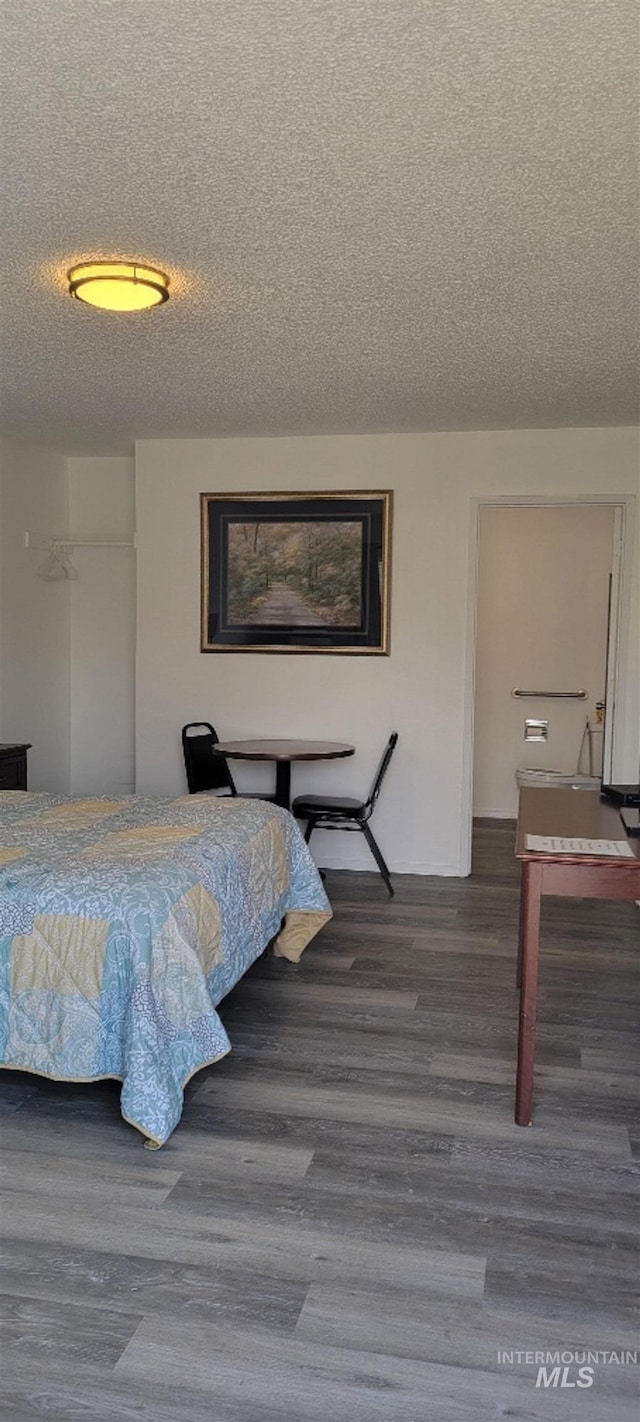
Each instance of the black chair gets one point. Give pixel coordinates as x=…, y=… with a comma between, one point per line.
x=336, y=812
x=206, y=768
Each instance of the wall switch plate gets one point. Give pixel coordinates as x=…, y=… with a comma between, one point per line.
x=536, y=730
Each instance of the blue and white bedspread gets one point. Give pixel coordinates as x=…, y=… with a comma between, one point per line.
x=124, y=922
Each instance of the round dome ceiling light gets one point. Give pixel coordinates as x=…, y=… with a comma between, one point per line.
x=118, y=286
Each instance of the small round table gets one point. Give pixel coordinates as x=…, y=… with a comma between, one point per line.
x=284, y=752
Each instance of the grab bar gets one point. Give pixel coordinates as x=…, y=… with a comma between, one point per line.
x=553, y=695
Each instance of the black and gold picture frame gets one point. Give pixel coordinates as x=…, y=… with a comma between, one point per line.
x=301, y=572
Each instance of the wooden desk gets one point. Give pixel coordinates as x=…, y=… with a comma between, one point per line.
x=569, y=814
x=284, y=752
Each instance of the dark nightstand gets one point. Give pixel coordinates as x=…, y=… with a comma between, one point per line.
x=13, y=767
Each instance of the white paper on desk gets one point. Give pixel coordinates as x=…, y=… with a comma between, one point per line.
x=553, y=844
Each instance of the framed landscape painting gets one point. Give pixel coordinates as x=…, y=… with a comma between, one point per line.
x=296, y=572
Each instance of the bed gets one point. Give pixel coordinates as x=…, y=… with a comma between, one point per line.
x=124, y=922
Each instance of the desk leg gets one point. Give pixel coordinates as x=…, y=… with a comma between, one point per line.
x=283, y=783
x=528, y=954
x=520, y=929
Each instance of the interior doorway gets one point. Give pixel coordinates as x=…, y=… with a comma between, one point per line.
x=546, y=636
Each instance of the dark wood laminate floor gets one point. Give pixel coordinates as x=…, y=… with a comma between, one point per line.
x=347, y=1225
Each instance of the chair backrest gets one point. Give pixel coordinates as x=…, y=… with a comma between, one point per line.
x=206, y=768
x=382, y=770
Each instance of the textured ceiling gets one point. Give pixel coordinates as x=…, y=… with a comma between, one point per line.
x=378, y=215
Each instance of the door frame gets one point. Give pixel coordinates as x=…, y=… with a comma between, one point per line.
x=612, y=653
x=624, y=521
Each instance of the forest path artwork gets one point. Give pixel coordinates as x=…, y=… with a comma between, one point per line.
x=295, y=573
x=283, y=607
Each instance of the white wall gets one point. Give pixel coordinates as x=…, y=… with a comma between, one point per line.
x=3, y=460
x=101, y=506
x=543, y=591
x=68, y=648
x=628, y=711
x=36, y=681
x=423, y=689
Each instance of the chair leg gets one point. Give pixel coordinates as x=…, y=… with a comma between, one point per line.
x=378, y=858
x=311, y=824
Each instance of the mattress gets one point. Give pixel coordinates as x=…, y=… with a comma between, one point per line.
x=124, y=922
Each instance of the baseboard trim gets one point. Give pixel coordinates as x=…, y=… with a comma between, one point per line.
x=437, y=871
x=509, y=814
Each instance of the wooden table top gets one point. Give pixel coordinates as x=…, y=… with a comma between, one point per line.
x=284, y=750
x=570, y=814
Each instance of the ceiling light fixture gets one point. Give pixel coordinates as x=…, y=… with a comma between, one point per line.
x=118, y=286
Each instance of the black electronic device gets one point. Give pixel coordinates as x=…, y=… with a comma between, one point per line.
x=631, y=820
x=622, y=794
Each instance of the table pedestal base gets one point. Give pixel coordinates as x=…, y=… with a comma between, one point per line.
x=283, y=783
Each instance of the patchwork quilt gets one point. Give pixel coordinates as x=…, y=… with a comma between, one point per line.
x=123, y=922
